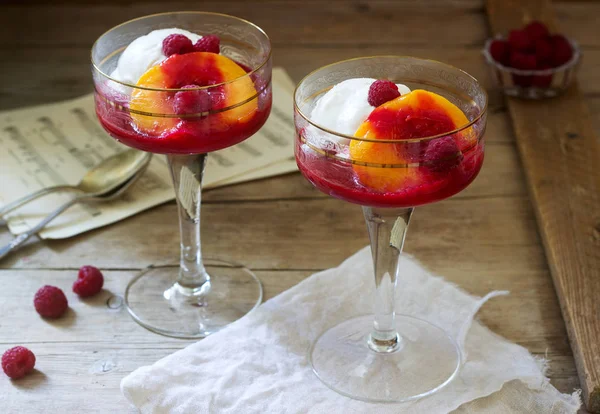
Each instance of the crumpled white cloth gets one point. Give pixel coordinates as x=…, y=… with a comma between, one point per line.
x=259, y=363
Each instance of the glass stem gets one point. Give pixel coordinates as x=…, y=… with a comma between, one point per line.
x=187, y=172
x=387, y=230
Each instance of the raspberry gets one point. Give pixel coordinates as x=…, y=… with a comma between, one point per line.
x=208, y=43
x=382, y=91
x=536, y=30
x=543, y=51
x=563, y=52
x=18, y=362
x=500, y=51
x=542, y=81
x=191, y=102
x=50, y=302
x=89, y=281
x=442, y=154
x=177, y=44
x=520, y=40
x=523, y=61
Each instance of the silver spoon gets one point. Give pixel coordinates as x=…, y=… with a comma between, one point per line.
x=97, y=197
x=109, y=174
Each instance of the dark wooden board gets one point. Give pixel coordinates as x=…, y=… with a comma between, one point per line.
x=560, y=153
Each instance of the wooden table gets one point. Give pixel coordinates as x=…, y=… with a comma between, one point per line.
x=482, y=239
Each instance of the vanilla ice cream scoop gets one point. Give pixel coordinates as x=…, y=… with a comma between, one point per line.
x=145, y=52
x=345, y=106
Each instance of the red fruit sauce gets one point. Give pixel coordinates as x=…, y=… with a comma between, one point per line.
x=338, y=179
x=439, y=173
x=192, y=135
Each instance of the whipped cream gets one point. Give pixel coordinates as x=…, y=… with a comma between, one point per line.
x=145, y=52
x=345, y=106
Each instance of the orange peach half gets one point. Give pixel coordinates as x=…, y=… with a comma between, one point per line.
x=418, y=114
x=153, y=111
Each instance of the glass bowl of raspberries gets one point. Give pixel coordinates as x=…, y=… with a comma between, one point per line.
x=531, y=62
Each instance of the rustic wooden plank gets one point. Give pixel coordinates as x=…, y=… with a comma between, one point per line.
x=295, y=234
x=95, y=345
x=463, y=21
x=560, y=152
x=594, y=104
x=65, y=72
x=289, y=22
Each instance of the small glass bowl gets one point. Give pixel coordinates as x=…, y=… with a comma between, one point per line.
x=533, y=84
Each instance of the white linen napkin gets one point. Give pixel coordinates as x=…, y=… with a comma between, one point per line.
x=259, y=363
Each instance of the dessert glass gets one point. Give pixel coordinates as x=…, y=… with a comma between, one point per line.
x=200, y=295
x=381, y=357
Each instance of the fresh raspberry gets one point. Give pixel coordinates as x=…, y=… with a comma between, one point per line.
x=18, y=362
x=442, y=154
x=191, y=102
x=500, y=51
x=50, y=302
x=177, y=44
x=523, y=61
x=89, y=281
x=542, y=81
x=536, y=30
x=519, y=40
x=543, y=51
x=563, y=52
x=382, y=91
x=208, y=43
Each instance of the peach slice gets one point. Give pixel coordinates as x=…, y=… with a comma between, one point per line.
x=153, y=112
x=417, y=114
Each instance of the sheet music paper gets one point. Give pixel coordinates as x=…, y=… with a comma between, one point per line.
x=57, y=143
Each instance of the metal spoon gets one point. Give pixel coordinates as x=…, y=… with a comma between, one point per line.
x=106, y=176
x=99, y=196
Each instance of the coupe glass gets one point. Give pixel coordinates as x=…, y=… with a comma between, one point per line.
x=381, y=357
x=200, y=295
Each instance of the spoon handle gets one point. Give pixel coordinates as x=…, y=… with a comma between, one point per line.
x=18, y=203
x=23, y=237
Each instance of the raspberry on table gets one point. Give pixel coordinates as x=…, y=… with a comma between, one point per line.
x=500, y=51
x=89, y=281
x=208, y=43
x=177, y=44
x=191, y=102
x=442, y=154
x=382, y=91
x=50, y=302
x=18, y=362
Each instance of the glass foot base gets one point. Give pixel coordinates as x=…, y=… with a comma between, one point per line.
x=427, y=359
x=158, y=303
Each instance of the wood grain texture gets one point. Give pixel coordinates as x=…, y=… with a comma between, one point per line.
x=291, y=22
x=65, y=72
x=483, y=239
x=560, y=152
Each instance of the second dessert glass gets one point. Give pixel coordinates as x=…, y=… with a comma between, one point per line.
x=201, y=295
x=381, y=357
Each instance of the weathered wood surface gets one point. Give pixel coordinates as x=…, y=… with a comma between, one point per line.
x=560, y=153
x=484, y=238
